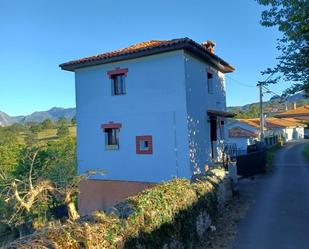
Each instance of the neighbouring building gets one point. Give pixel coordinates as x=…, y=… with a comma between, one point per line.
x=298, y=113
x=244, y=132
x=287, y=129
x=145, y=114
x=242, y=138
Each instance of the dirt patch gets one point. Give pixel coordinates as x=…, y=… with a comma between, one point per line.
x=223, y=232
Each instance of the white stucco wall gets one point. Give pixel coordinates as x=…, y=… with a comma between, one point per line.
x=241, y=142
x=300, y=132
x=294, y=133
x=198, y=102
x=154, y=104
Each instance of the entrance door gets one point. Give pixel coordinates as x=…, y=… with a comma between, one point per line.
x=213, y=133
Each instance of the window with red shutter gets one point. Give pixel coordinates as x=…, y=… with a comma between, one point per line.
x=144, y=145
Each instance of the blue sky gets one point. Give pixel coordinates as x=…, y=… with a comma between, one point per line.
x=36, y=36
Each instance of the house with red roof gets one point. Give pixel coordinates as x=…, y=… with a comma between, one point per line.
x=145, y=114
x=244, y=132
x=242, y=137
x=299, y=113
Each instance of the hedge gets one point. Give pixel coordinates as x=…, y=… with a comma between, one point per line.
x=164, y=216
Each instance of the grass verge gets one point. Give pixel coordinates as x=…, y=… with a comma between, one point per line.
x=270, y=156
x=306, y=152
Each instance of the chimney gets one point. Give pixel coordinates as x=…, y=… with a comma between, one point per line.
x=209, y=45
x=294, y=105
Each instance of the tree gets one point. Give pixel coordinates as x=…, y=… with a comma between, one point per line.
x=25, y=195
x=16, y=128
x=292, y=19
x=7, y=136
x=63, y=131
x=35, y=128
x=31, y=138
x=35, y=179
x=44, y=177
x=62, y=121
x=73, y=121
x=48, y=124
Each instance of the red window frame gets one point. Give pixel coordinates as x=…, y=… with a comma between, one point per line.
x=111, y=131
x=117, y=71
x=146, y=138
x=114, y=76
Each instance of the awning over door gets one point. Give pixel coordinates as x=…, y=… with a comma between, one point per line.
x=216, y=113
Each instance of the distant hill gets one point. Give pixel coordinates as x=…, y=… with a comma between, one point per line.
x=54, y=114
x=275, y=105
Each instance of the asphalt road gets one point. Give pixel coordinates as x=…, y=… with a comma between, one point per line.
x=279, y=214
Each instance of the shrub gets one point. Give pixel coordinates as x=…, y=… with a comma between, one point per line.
x=157, y=216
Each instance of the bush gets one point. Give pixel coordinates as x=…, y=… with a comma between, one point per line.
x=63, y=131
x=158, y=216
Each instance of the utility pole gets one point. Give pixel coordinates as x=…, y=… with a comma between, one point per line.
x=260, y=85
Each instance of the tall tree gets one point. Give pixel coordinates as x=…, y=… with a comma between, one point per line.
x=292, y=19
x=48, y=124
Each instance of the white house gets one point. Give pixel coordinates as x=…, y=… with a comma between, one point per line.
x=145, y=114
x=242, y=137
x=287, y=128
x=244, y=132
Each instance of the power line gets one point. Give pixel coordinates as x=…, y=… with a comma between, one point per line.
x=272, y=92
x=239, y=82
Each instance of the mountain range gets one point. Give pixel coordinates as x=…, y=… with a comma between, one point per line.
x=54, y=114
x=274, y=105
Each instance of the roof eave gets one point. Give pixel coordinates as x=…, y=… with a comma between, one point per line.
x=133, y=55
x=189, y=45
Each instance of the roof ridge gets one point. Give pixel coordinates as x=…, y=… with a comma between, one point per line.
x=146, y=48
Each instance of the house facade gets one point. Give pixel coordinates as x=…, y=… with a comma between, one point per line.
x=145, y=114
x=297, y=114
x=242, y=138
x=287, y=129
x=244, y=132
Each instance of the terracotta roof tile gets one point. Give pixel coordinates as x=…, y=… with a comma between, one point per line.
x=300, y=111
x=272, y=123
x=283, y=122
x=239, y=132
x=149, y=48
x=252, y=122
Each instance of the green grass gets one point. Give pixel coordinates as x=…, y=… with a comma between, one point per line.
x=46, y=135
x=50, y=134
x=270, y=156
x=306, y=152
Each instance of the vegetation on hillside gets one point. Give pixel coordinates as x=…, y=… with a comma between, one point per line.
x=37, y=173
x=271, y=107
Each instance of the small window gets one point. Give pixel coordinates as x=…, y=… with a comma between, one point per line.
x=111, y=131
x=118, y=84
x=144, y=145
x=210, y=82
x=117, y=77
x=112, y=139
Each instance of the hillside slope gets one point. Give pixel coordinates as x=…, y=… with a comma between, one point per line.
x=54, y=114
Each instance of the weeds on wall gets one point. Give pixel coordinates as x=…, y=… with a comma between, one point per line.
x=160, y=216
